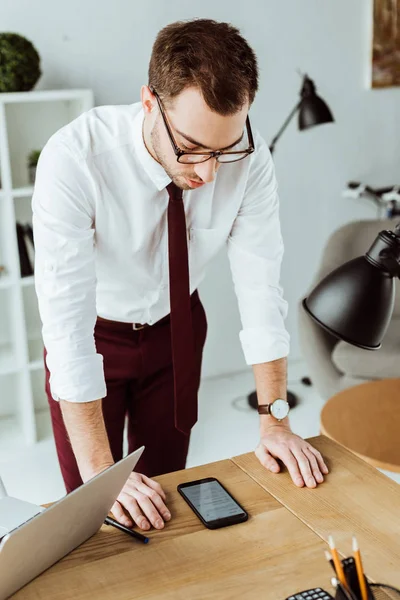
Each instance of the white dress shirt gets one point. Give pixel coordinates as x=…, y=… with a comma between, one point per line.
x=100, y=227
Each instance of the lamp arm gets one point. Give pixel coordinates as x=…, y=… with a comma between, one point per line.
x=282, y=129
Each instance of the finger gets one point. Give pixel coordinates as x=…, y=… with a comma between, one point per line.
x=132, y=507
x=266, y=459
x=156, y=486
x=155, y=499
x=292, y=466
x=320, y=460
x=120, y=515
x=148, y=509
x=136, y=485
x=312, y=459
x=305, y=467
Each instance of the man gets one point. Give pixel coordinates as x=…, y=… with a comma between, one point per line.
x=123, y=326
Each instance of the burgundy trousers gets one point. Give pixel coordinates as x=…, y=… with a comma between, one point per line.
x=140, y=388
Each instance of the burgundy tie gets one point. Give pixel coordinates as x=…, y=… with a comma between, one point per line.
x=183, y=350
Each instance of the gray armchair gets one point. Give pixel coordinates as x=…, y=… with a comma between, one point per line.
x=334, y=365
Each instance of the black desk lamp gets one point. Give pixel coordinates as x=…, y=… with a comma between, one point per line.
x=312, y=111
x=355, y=302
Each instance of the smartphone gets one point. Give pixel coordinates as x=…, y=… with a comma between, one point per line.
x=212, y=503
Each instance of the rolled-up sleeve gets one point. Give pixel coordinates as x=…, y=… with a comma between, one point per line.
x=65, y=278
x=255, y=251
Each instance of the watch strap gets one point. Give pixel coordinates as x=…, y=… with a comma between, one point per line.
x=264, y=409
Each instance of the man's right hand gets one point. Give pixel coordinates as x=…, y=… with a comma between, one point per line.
x=144, y=500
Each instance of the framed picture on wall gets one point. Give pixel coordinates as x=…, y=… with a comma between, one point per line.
x=386, y=44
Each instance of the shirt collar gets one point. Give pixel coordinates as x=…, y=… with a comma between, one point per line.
x=153, y=169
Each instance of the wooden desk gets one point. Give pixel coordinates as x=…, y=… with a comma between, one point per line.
x=279, y=551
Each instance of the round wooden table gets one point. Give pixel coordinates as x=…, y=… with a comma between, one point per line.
x=366, y=420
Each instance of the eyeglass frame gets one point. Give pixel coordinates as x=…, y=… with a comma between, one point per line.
x=215, y=153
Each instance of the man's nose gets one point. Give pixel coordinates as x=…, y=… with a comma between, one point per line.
x=206, y=170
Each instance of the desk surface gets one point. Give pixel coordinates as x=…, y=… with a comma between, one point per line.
x=280, y=550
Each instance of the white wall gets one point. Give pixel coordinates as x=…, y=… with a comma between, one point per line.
x=106, y=46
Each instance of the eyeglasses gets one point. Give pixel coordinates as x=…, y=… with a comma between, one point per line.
x=222, y=156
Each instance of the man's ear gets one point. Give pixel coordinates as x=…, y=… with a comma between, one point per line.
x=148, y=99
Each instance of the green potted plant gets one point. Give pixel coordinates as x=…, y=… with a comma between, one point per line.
x=33, y=159
x=19, y=63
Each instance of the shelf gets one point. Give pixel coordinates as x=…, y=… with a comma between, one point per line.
x=11, y=437
x=20, y=192
x=38, y=384
x=33, y=322
x=27, y=281
x=11, y=388
x=6, y=282
x=35, y=350
x=27, y=122
x=12, y=440
x=46, y=96
x=23, y=192
x=8, y=362
x=43, y=424
x=29, y=127
x=36, y=365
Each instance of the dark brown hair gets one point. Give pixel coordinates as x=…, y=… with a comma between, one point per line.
x=211, y=56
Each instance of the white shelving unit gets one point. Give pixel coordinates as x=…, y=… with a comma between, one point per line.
x=27, y=121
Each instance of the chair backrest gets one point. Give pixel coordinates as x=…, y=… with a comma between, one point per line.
x=352, y=240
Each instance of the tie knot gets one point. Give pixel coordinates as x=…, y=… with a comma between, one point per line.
x=174, y=192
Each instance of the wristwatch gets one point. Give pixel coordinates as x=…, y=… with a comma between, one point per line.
x=279, y=409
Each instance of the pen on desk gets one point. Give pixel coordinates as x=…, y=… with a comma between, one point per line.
x=337, y=563
x=360, y=570
x=135, y=534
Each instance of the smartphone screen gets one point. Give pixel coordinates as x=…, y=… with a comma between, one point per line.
x=212, y=502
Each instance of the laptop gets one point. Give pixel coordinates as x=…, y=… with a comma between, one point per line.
x=50, y=535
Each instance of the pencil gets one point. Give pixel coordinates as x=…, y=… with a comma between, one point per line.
x=131, y=532
x=360, y=570
x=337, y=563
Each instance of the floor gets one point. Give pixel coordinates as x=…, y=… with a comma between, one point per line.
x=227, y=426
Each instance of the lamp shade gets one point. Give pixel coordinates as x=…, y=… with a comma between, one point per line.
x=312, y=110
x=354, y=303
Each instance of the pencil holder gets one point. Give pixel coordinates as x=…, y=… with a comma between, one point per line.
x=375, y=591
x=354, y=593
x=349, y=594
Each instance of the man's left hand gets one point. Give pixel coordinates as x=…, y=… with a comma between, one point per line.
x=304, y=463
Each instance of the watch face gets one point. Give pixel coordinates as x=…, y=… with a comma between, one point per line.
x=279, y=409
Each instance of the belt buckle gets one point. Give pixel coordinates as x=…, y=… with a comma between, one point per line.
x=138, y=326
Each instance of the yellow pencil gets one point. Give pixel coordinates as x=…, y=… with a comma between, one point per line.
x=360, y=570
x=337, y=563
